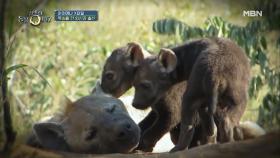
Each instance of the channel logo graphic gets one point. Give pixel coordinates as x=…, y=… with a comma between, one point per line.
x=35, y=18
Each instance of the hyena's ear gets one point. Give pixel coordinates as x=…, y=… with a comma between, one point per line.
x=67, y=105
x=97, y=90
x=135, y=53
x=50, y=136
x=167, y=59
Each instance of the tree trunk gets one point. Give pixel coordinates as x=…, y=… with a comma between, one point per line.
x=4, y=101
x=267, y=146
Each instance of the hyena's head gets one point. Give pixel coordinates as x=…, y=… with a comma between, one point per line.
x=153, y=78
x=120, y=67
x=92, y=124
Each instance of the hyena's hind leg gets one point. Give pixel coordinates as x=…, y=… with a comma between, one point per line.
x=225, y=130
x=208, y=109
x=207, y=138
x=235, y=100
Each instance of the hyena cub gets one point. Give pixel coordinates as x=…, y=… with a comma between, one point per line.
x=217, y=71
x=120, y=67
x=117, y=78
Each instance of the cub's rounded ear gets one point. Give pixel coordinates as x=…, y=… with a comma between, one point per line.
x=135, y=53
x=167, y=59
x=50, y=135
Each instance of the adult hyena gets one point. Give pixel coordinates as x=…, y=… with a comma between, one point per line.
x=95, y=124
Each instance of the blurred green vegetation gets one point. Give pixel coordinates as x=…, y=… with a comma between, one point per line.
x=69, y=56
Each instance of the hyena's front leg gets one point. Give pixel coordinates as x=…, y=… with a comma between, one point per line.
x=190, y=107
x=174, y=134
x=153, y=134
x=148, y=121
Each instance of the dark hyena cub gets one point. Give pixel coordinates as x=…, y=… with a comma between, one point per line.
x=117, y=77
x=217, y=71
x=165, y=117
x=120, y=67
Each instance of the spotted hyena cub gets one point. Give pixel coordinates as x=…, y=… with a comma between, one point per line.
x=217, y=71
x=120, y=67
x=117, y=77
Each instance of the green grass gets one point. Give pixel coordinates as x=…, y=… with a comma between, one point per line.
x=70, y=55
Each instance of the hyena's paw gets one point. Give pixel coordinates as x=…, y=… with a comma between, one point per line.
x=176, y=148
x=145, y=146
x=212, y=137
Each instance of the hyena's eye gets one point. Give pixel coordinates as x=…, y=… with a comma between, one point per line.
x=109, y=75
x=111, y=109
x=91, y=133
x=146, y=85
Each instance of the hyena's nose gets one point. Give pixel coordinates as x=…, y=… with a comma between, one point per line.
x=125, y=131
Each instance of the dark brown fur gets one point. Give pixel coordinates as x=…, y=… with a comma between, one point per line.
x=217, y=71
x=162, y=119
x=117, y=77
x=166, y=117
x=120, y=67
